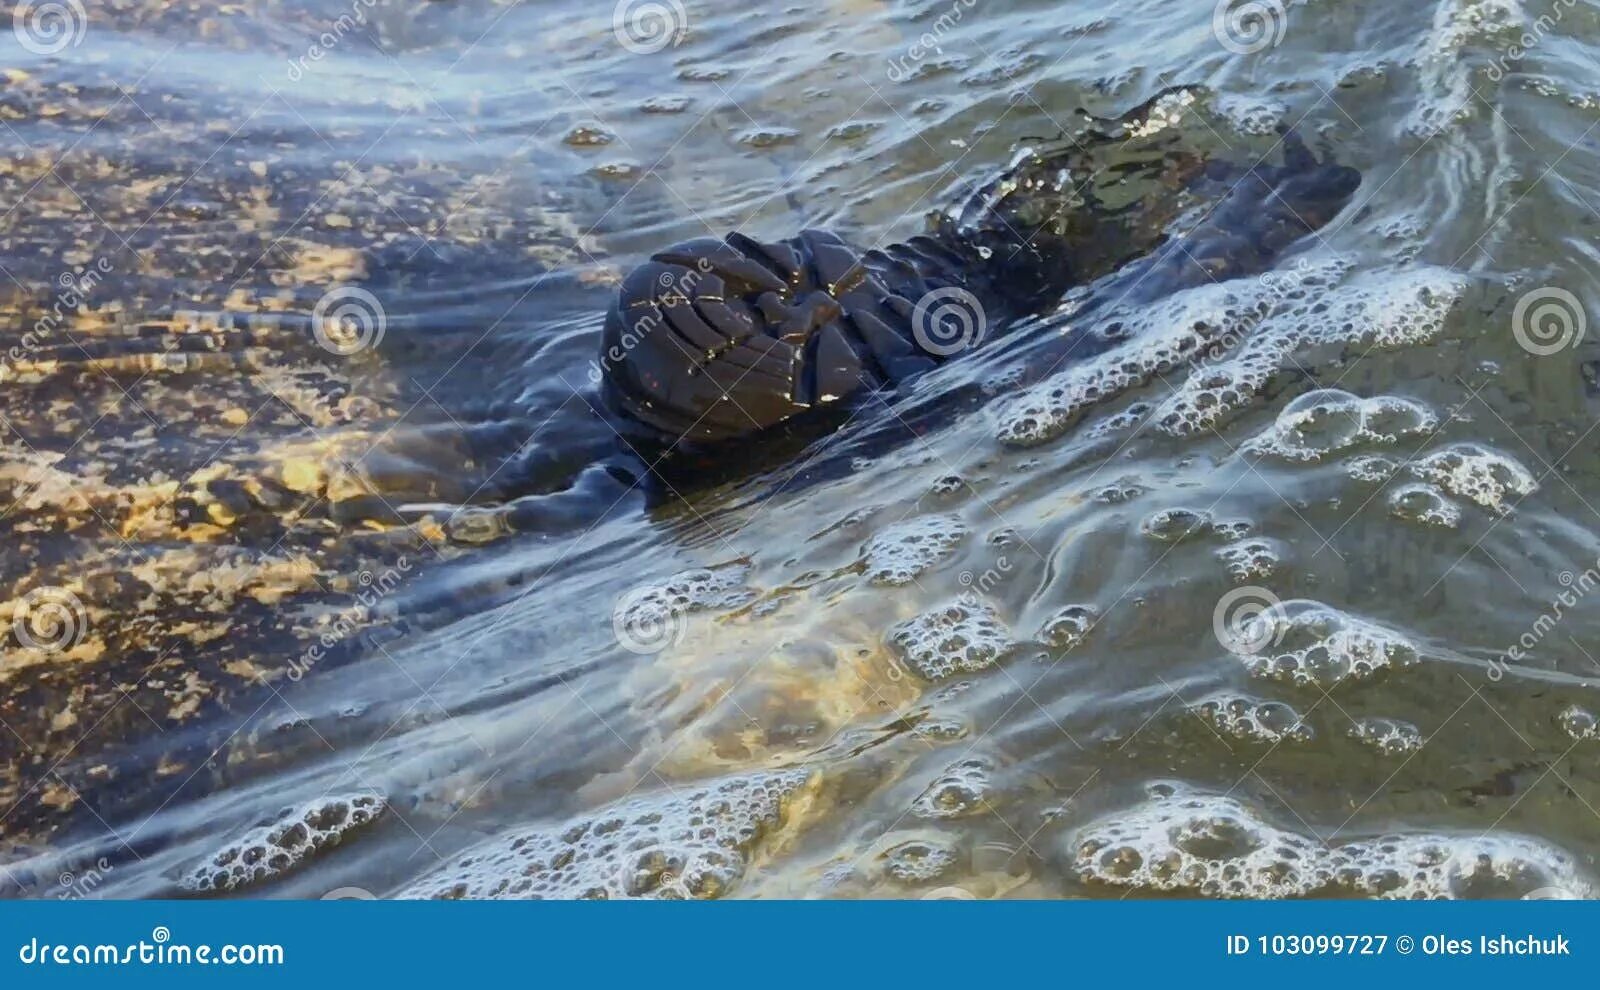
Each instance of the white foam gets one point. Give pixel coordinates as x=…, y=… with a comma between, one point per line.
x=961, y=637
x=652, y=608
x=1309, y=643
x=1182, y=841
x=1476, y=473
x=1330, y=421
x=1239, y=334
x=1067, y=626
x=694, y=842
x=1389, y=736
x=1253, y=719
x=273, y=848
x=1251, y=559
x=902, y=552
x=960, y=790
x=1424, y=504
x=1176, y=524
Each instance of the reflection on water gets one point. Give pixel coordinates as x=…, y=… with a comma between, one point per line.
x=302, y=298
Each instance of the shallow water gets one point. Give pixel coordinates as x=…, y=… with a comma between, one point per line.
x=1308, y=617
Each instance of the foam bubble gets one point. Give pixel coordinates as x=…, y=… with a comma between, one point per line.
x=1176, y=524
x=1252, y=559
x=1388, y=308
x=1187, y=842
x=1474, y=472
x=961, y=637
x=1422, y=503
x=1309, y=643
x=694, y=842
x=1253, y=719
x=1330, y=420
x=1389, y=736
x=1373, y=469
x=1579, y=723
x=294, y=835
x=920, y=860
x=1068, y=626
x=959, y=791
x=655, y=606
x=905, y=550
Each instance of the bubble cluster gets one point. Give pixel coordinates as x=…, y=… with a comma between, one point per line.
x=1309, y=643
x=1046, y=410
x=1181, y=841
x=1424, y=504
x=959, y=791
x=1253, y=719
x=1579, y=723
x=1176, y=524
x=1389, y=308
x=1329, y=421
x=1473, y=472
x=905, y=550
x=695, y=842
x=1252, y=559
x=294, y=835
x=651, y=617
x=1372, y=469
x=920, y=860
x=961, y=637
x=1068, y=626
x=1389, y=736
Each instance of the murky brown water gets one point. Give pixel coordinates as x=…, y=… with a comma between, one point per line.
x=292, y=613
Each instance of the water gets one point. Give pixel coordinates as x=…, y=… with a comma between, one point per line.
x=1286, y=622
